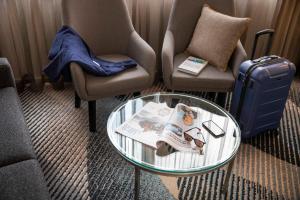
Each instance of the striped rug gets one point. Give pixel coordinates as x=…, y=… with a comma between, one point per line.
x=81, y=165
x=78, y=164
x=266, y=167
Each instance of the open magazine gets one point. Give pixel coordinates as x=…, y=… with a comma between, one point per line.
x=156, y=124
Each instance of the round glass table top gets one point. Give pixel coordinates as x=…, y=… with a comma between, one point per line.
x=217, y=151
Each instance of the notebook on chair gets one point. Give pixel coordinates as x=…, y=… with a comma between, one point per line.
x=192, y=65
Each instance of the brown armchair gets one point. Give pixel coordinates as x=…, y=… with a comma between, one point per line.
x=182, y=22
x=106, y=27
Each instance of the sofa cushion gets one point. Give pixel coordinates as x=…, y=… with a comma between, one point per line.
x=15, y=142
x=23, y=181
x=216, y=36
x=209, y=79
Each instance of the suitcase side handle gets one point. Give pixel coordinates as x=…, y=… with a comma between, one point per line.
x=270, y=32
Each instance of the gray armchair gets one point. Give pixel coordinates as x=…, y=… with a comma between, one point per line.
x=106, y=27
x=182, y=22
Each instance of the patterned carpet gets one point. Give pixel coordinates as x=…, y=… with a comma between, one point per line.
x=266, y=167
x=81, y=165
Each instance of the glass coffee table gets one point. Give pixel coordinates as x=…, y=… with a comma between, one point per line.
x=218, y=151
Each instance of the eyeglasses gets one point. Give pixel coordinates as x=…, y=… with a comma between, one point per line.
x=199, y=142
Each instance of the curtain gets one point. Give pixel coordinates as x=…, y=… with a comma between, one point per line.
x=281, y=15
x=150, y=19
x=287, y=38
x=263, y=14
x=27, y=28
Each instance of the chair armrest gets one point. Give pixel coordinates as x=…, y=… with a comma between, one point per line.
x=239, y=55
x=167, y=54
x=142, y=53
x=6, y=74
x=78, y=79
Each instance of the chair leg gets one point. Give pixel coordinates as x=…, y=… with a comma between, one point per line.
x=77, y=101
x=221, y=99
x=210, y=95
x=137, y=94
x=92, y=116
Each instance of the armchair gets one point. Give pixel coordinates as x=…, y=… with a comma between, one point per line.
x=182, y=22
x=106, y=27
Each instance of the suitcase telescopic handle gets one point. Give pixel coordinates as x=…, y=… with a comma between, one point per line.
x=269, y=32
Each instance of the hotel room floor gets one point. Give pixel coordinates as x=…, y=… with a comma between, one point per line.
x=81, y=165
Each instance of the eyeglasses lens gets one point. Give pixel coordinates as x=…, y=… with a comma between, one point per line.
x=199, y=143
x=188, y=137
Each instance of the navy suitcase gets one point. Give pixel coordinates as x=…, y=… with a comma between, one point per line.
x=260, y=93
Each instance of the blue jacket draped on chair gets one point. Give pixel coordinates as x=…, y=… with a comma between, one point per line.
x=69, y=47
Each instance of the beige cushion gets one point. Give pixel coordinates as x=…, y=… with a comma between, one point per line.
x=133, y=79
x=216, y=36
x=210, y=79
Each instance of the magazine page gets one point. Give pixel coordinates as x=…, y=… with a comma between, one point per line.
x=147, y=125
x=183, y=118
x=188, y=120
x=156, y=125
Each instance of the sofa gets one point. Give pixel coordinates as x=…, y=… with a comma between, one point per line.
x=21, y=176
